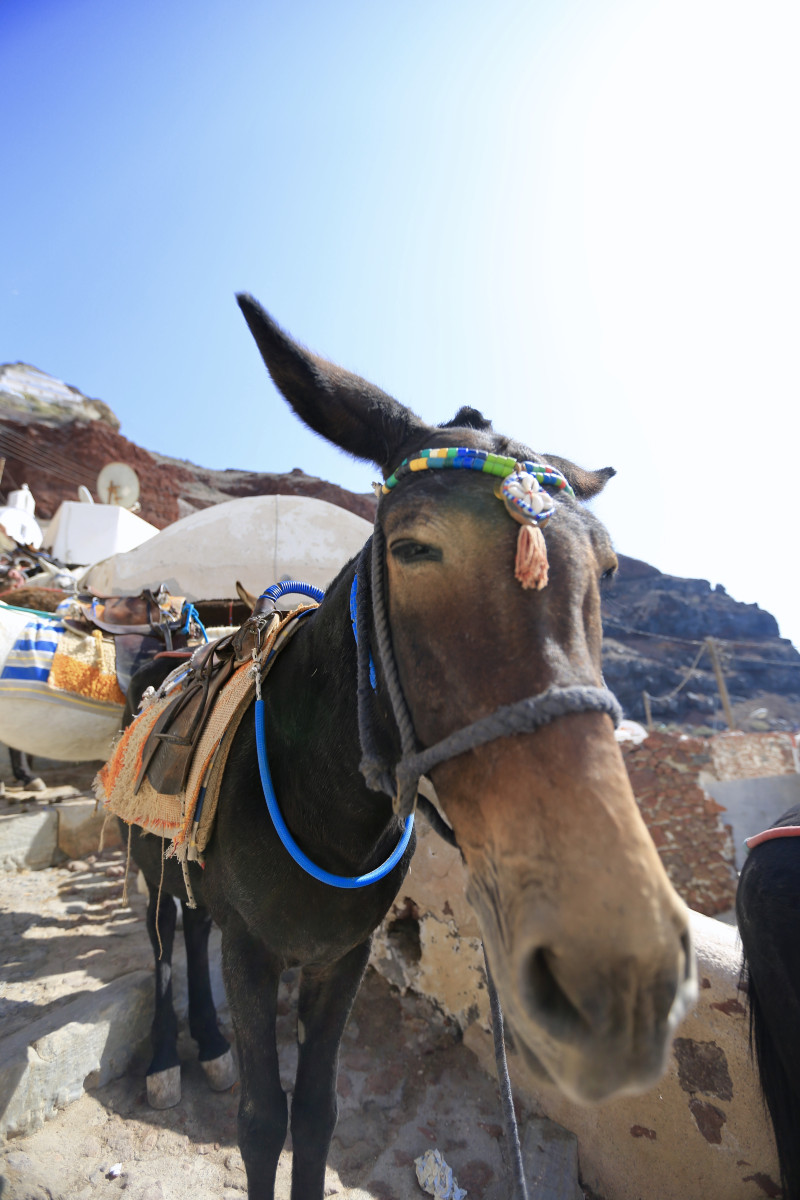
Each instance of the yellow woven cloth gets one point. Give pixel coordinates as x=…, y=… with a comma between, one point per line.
x=175, y=817
x=86, y=664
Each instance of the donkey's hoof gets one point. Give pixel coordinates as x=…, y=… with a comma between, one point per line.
x=221, y=1072
x=164, y=1088
x=36, y=785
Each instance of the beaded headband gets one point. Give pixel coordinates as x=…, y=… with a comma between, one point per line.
x=520, y=489
x=476, y=460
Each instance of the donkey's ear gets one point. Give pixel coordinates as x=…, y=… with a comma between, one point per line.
x=353, y=414
x=584, y=484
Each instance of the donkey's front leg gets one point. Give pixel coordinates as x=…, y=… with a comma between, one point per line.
x=251, y=983
x=326, y=997
x=214, y=1050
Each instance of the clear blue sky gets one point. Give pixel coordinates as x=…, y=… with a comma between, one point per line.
x=580, y=217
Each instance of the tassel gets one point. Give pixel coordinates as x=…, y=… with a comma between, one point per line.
x=531, y=565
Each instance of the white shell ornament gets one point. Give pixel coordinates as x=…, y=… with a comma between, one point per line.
x=525, y=499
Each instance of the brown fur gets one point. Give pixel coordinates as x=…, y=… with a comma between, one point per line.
x=583, y=930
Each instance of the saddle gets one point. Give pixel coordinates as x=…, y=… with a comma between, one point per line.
x=147, y=615
x=168, y=751
x=165, y=774
x=140, y=626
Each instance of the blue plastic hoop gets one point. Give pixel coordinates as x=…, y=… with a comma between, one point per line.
x=281, y=828
x=291, y=846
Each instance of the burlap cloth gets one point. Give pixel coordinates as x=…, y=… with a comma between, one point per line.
x=187, y=818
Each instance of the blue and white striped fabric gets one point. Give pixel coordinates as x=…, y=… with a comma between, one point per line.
x=31, y=657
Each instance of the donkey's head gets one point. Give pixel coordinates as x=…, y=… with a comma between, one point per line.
x=587, y=941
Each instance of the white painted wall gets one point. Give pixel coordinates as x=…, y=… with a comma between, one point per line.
x=752, y=805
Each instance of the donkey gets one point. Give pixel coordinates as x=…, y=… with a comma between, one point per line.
x=768, y=916
x=491, y=686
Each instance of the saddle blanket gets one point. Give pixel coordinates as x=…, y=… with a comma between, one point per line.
x=187, y=817
x=50, y=662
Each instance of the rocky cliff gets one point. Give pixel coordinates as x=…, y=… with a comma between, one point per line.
x=655, y=628
x=54, y=438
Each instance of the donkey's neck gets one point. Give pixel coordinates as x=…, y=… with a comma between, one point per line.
x=313, y=743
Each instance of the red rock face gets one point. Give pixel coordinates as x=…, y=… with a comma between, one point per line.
x=54, y=459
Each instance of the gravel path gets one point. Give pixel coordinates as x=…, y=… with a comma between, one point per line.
x=393, y=1106
x=406, y=1083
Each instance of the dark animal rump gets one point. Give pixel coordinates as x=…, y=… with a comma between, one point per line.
x=768, y=914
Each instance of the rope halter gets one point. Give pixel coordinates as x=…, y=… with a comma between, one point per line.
x=523, y=716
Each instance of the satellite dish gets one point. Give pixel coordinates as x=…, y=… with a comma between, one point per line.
x=118, y=484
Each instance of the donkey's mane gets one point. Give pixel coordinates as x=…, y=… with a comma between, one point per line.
x=467, y=418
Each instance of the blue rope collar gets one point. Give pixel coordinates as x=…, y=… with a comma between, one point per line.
x=274, y=593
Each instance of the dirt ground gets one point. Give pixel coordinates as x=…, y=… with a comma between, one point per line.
x=406, y=1084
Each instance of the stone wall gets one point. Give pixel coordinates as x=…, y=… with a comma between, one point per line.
x=668, y=772
x=753, y=755
x=699, y=1135
x=695, y=794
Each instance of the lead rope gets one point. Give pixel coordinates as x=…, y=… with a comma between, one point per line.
x=506, y=1099
x=373, y=768
x=516, y=1168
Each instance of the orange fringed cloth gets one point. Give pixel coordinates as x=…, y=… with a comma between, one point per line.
x=182, y=818
x=115, y=782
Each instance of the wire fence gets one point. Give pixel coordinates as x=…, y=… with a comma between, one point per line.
x=18, y=447
x=721, y=652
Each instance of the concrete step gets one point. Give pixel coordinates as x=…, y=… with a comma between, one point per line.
x=41, y=829
x=77, y=998
x=83, y=1043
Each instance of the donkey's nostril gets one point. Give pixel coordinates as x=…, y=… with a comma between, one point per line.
x=545, y=996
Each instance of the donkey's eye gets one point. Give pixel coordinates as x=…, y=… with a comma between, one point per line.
x=608, y=575
x=410, y=552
